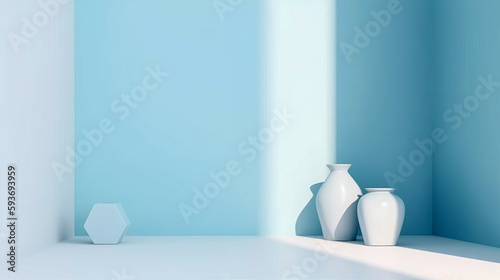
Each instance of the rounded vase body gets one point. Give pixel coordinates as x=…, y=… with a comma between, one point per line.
x=381, y=214
x=336, y=203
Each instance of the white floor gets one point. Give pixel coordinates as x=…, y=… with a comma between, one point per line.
x=148, y=258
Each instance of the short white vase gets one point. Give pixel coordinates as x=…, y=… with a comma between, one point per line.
x=381, y=214
x=336, y=203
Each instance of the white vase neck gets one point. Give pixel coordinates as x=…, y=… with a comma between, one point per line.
x=338, y=167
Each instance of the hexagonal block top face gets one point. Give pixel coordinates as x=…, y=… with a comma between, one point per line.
x=107, y=223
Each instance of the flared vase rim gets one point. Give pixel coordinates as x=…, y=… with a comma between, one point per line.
x=380, y=190
x=338, y=166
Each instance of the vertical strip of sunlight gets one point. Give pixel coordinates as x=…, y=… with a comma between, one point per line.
x=299, y=75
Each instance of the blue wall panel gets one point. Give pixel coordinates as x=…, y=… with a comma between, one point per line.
x=189, y=125
x=466, y=178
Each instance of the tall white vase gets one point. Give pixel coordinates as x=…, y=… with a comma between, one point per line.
x=336, y=203
x=381, y=214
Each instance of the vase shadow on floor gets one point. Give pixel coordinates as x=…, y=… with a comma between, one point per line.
x=307, y=223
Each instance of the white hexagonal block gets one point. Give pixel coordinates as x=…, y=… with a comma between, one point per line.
x=107, y=223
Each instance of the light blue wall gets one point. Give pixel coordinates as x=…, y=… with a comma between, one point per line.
x=384, y=101
x=466, y=178
x=195, y=120
x=190, y=125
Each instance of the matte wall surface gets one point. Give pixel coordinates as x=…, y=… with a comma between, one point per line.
x=466, y=178
x=162, y=145
x=225, y=108
x=37, y=120
x=384, y=75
